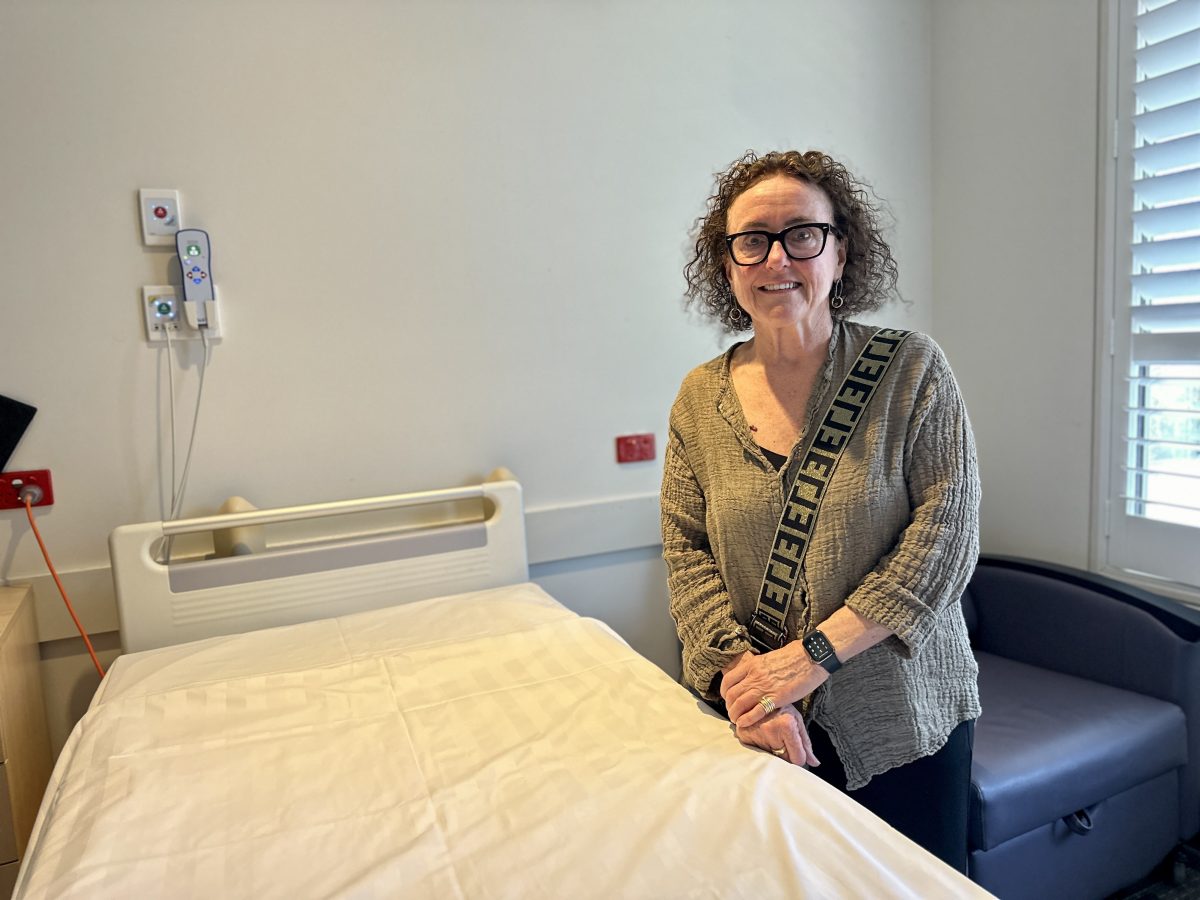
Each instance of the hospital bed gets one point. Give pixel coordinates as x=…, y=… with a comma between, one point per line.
x=396, y=711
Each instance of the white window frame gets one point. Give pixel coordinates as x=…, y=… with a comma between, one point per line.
x=1156, y=547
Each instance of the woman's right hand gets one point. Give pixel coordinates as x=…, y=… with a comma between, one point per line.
x=783, y=729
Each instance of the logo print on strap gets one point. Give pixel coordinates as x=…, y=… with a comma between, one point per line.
x=767, y=626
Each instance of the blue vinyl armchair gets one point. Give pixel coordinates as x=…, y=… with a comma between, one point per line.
x=1087, y=756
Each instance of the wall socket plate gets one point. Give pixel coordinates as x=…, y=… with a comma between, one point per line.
x=162, y=310
x=635, y=447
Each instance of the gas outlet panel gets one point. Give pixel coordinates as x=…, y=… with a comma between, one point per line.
x=12, y=483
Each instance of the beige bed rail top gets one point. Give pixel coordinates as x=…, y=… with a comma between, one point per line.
x=158, y=606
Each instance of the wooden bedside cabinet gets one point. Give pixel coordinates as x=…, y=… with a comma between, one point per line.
x=24, y=740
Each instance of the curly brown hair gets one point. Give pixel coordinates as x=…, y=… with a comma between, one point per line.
x=870, y=274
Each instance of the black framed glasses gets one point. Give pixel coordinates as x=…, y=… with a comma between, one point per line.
x=803, y=241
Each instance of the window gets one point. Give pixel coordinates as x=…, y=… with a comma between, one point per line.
x=1150, y=464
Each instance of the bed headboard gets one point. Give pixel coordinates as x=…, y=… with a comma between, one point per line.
x=161, y=604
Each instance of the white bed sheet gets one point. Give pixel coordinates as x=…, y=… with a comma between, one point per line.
x=488, y=745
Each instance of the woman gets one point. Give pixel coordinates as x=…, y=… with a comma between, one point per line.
x=881, y=697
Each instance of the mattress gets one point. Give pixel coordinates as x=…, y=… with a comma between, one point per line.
x=486, y=745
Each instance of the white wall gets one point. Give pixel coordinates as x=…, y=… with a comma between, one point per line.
x=447, y=235
x=1015, y=95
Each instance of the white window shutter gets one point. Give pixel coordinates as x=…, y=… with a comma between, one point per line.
x=1155, y=521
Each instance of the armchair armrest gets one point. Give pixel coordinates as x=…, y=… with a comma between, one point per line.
x=1086, y=625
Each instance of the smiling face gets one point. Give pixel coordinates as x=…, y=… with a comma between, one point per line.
x=781, y=291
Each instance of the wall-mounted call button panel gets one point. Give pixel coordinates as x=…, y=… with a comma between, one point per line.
x=163, y=311
x=160, y=306
x=160, y=216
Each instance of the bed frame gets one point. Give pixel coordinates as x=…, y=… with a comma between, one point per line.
x=483, y=744
x=192, y=598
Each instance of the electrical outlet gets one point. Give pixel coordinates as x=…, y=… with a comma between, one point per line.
x=635, y=448
x=11, y=484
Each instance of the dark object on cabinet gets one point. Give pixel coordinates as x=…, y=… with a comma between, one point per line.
x=15, y=417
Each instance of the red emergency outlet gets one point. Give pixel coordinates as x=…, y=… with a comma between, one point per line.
x=11, y=484
x=635, y=448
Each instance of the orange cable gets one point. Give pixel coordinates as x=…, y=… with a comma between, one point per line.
x=37, y=534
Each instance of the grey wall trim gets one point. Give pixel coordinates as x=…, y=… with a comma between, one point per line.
x=597, y=526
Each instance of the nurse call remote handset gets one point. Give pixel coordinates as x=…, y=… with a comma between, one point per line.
x=195, y=259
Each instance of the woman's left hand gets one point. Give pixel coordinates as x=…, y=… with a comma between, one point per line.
x=785, y=676
x=784, y=734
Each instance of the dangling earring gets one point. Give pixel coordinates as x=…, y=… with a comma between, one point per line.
x=739, y=318
x=835, y=298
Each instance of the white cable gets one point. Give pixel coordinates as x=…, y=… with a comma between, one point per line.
x=178, y=489
x=166, y=549
x=171, y=395
x=177, y=506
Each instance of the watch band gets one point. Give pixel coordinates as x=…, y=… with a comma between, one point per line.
x=821, y=652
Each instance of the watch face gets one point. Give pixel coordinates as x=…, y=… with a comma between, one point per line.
x=818, y=646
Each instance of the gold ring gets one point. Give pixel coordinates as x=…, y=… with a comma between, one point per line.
x=782, y=751
x=768, y=704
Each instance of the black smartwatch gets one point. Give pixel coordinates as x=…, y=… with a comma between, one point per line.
x=821, y=652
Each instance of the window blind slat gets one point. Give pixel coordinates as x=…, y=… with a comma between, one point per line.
x=1166, y=473
x=1170, y=55
x=1169, y=90
x=1169, y=20
x=1160, y=379
x=1165, y=285
x=1174, y=154
x=1165, y=349
x=1155, y=442
x=1168, y=317
x=1168, y=219
x=1173, y=188
x=1156, y=411
x=1156, y=502
x=1168, y=122
x=1170, y=252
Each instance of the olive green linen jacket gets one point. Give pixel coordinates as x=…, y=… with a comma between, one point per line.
x=896, y=540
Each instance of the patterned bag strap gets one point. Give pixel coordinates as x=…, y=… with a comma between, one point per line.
x=767, y=627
